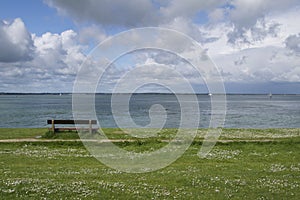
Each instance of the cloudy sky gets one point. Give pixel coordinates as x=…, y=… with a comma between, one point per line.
x=254, y=43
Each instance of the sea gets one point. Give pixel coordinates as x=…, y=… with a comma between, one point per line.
x=242, y=111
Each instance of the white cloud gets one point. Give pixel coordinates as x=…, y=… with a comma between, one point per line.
x=192, y=30
x=249, y=16
x=257, y=33
x=260, y=65
x=59, y=52
x=57, y=57
x=263, y=39
x=245, y=13
x=248, y=19
x=16, y=42
x=264, y=58
x=268, y=53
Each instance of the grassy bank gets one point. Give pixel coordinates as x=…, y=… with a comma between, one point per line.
x=114, y=133
x=14, y=133
x=235, y=170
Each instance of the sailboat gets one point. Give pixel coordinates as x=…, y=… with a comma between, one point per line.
x=270, y=95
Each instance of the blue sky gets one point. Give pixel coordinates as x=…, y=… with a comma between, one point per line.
x=38, y=17
x=255, y=44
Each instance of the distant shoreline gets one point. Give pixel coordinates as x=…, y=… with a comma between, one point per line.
x=145, y=93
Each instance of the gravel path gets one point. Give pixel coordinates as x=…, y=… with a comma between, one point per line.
x=107, y=140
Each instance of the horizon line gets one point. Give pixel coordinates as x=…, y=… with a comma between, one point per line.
x=109, y=93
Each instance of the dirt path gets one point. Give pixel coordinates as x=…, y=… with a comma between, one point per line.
x=107, y=140
x=60, y=140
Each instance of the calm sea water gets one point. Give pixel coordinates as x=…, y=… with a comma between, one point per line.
x=243, y=111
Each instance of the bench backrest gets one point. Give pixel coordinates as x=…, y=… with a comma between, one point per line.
x=59, y=121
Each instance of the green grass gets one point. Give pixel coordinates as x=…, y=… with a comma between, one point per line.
x=13, y=133
x=164, y=134
x=167, y=134
x=61, y=135
x=226, y=134
x=235, y=170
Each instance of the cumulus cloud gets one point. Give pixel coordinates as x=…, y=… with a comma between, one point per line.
x=245, y=13
x=16, y=42
x=249, y=40
x=60, y=54
x=258, y=32
x=268, y=64
x=186, y=26
x=248, y=17
x=56, y=60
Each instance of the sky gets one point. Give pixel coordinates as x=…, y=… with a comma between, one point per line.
x=255, y=44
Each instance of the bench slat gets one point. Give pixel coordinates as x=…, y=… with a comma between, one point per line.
x=73, y=129
x=58, y=121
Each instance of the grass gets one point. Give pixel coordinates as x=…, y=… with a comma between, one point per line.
x=235, y=170
x=13, y=133
x=164, y=134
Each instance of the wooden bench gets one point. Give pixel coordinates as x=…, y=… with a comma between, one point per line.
x=53, y=122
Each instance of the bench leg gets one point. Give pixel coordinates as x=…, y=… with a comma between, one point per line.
x=90, y=126
x=53, y=126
